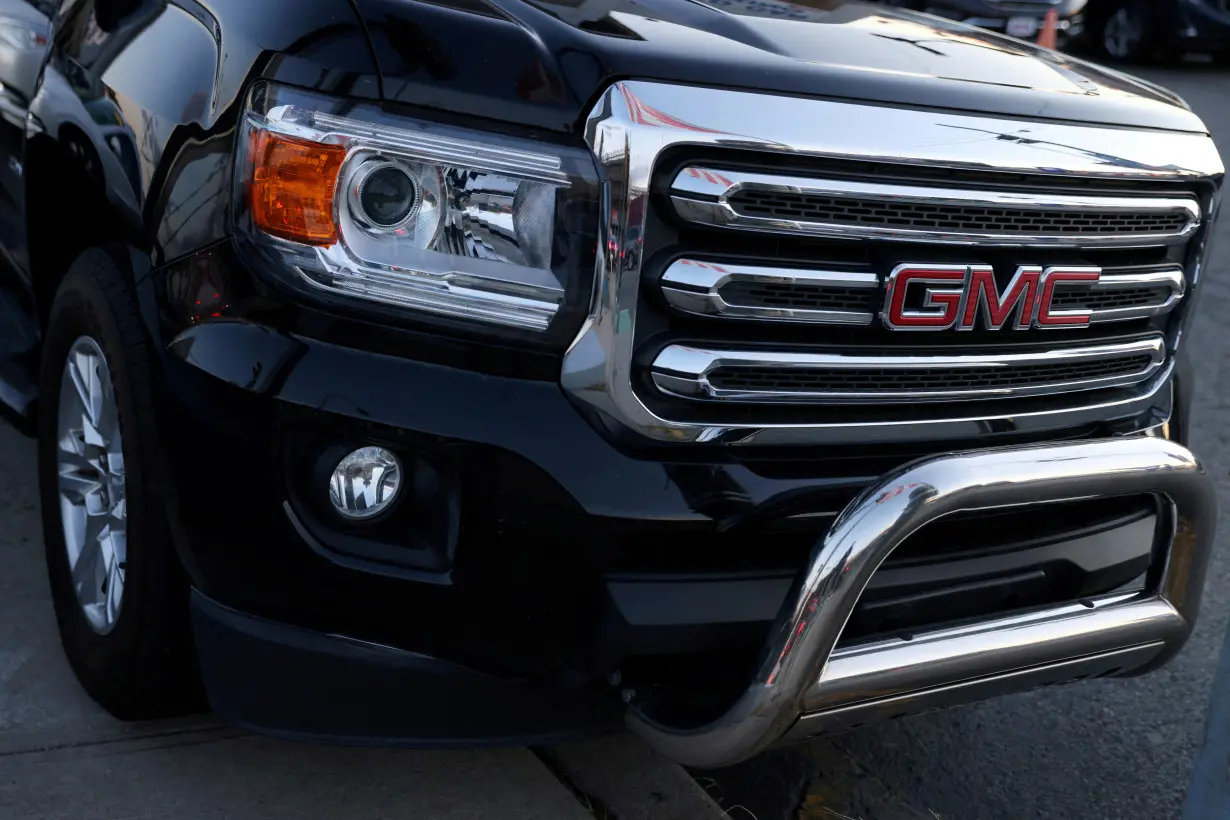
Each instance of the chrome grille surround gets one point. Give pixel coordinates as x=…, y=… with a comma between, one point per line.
x=634, y=122
x=843, y=209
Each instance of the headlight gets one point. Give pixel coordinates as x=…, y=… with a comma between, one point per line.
x=347, y=202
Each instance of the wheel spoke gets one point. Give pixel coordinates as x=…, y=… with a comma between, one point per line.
x=116, y=572
x=87, y=572
x=115, y=460
x=95, y=442
x=97, y=519
x=72, y=517
x=77, y=482
x=73, y=451
x=115, y=590
x=82, y=371
x=119, y=517
x=108, y=426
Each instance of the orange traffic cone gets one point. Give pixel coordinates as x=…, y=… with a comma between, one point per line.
x=1046, y=39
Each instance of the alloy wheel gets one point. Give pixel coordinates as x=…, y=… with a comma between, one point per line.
x=1123, y=33
x=90, y=466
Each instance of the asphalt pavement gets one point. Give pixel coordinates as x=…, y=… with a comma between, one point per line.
x=1102, y=749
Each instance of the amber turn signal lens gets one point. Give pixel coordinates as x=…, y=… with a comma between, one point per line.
x=292, y=187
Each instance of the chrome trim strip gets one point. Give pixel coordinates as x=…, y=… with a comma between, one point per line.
x=684, y=371
x=1155, y=398
x=1172, y=279
x=703, y=195
x=633, y=122
x=1117, y=661
x=1013, y=642
x=695, y=287
x=794, y=671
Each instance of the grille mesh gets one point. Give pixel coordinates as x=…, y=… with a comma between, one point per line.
x=956, y=218
x=1110, y=298
x=933, y=379
x=801, y=297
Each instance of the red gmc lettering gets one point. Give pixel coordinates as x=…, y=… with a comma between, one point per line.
x=1019, y=296
x=940, y=305
x=1053, y=277
x=956, y=295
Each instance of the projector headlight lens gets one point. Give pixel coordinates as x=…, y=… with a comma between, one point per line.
x=414, y=215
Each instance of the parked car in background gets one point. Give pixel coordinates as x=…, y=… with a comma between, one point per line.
x=24, y=30
x=1016, y=18
x=1158, y=30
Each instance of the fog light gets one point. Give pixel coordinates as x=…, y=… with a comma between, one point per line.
x=365, y=482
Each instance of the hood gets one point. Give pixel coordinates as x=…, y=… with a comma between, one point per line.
x=541, y=63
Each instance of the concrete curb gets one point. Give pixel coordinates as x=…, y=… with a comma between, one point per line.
x=623, y=779
x=816, y=780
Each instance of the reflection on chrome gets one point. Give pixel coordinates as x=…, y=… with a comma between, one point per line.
x=779, y=203
x=769, y=376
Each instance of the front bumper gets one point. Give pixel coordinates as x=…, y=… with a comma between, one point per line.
x=302, y=684
x=567, y=547
x=299, y=644
x=803, y=686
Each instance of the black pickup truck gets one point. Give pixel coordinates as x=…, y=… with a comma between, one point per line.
x=494, y=371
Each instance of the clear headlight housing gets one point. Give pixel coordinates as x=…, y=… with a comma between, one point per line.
x=347, y=202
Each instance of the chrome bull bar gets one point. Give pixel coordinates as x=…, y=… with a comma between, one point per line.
x=803, y=686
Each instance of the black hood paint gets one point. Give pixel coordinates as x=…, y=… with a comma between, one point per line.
x=541, y=63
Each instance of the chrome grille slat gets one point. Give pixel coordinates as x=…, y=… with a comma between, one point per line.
x=839, y=208
x=727, y=290
x=1111, y=299
x=780, y=294
x=775, y=376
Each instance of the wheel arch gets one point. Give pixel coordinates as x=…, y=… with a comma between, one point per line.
x=67, y=212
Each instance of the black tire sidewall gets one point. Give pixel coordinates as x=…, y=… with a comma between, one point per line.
x=132, y=669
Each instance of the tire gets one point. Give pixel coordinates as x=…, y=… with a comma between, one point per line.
x=1125, y=30
x=133, y=653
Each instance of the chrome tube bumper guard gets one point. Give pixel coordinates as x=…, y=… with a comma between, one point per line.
x=804, y=687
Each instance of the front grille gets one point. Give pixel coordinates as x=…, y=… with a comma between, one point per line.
x=931, y=380
x=811, y=274
x=754, y=230
x=919, y=216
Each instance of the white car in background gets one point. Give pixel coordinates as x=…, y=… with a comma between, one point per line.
x=24, y=35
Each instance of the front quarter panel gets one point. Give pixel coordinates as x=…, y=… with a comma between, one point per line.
x=136, y=115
